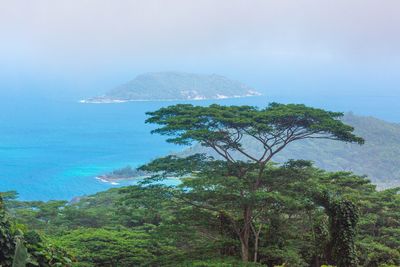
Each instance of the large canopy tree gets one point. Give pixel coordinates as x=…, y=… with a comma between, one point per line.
x=222, y=129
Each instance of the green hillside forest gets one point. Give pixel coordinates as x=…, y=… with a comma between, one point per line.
x=378, y=158
x=238, y=209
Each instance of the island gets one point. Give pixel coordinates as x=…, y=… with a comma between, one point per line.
x=167, y=86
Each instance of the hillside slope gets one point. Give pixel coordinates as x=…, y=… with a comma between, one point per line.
x=378, y=158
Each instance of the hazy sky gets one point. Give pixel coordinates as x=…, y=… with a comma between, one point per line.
x=299, y=46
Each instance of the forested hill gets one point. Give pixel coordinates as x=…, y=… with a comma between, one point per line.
x=176, y=86
x=379, y=157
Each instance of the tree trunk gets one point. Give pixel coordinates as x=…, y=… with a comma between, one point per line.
x=256, y=248
x=245, y=251
x=245, y=235
x=256, y=241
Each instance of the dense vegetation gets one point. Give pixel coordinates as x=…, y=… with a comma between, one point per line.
x=225, y=212
x=152, y=226
x=20, y=247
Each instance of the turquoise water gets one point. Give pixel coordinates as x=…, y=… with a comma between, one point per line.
x=53, y=149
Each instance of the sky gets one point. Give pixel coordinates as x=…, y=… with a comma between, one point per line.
x=85, y=47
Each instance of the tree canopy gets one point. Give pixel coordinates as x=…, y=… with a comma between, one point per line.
x=274, y=127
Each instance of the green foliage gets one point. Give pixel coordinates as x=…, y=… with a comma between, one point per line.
x=343, y=222
x=20, y=255
x=295, y=229
x=224, y=126
x=107, y=247
x=19, y=248
x=44, y=253
x=373, y=254
x=217, y=263
x=7, y=245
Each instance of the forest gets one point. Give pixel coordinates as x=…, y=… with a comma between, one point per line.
x=238, y=209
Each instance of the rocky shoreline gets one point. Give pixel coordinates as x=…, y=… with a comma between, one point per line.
x=123, y=174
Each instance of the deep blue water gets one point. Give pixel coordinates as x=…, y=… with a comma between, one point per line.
x=53, y=149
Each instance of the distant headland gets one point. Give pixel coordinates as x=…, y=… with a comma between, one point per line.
x=168, y=86
x=126, y=173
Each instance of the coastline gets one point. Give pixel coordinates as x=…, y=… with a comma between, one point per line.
x=117, y=101
x=115, y=179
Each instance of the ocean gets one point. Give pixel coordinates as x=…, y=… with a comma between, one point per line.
x=54, y=149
